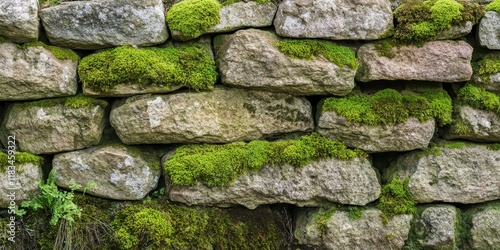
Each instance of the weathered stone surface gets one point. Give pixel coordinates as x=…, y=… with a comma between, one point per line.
x=455, y=31
x=486, y=229
x=250, y=59
x=219, y=116
x=34, y=73
x=25, y=183
x=120, y=172
x=19, y=20
x=474, y=124
x=348, y=182
x=105, y=23
x=334, y=19
x=56, y=128
x=410, y=135
x=341, y=232
x=467, y=174
x=489, y=28
x=437, y=226
x=491, y=83
x=237, y=16
x=440, y=61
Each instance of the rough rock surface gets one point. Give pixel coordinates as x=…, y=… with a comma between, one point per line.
x=485, y=229
x=335, y=19
x=25, y=183
x=120, y=172
x=218, y=116
x=480, y=125
x=34, y=73
x=105, y=23
x=52, y=129
x=376, y=138
x=491, y=84
x=439, y=61
x=341, y=232
x=250, y=59
x=489, y=28
x=455, y=31
x=437, y=224
x=467, y=174
x=348, y=182
x=19, y=20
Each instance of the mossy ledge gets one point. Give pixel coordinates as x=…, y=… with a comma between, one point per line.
x=493, y=6
x=219, y=165
x=488, y=65
x=310, y=49
x=193, y=17
x=396, y=199
x=188, y=65
x=78, y=101
x=59, y=53
x=479, y=98
x=20, y=158
x=390, y=107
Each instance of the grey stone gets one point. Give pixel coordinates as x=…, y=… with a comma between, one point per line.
x=440, y=61
x=486, y=229
x=219, y=116
x=455, y=31
x=341, y=232
x=250, y=59
x=335, y=19
x=410, y=135
x=23, y=184
x=120, y=172
x=474, y=124
x=41, y=129
x=105, y=23
x=19, y=20
x=491, y=83
x=437, y=224
x=489, y=30
x=34, y=73
x=467, y=174
x=328, y=180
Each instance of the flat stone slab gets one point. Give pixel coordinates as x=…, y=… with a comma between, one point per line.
x=19, y=20
x=489, y=28
x=474, y=124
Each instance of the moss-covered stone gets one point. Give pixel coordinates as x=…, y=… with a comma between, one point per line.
x=493, y=6
x=488, y=65
x=192, y=17
x=479, y=98
x=188, y=65
x=59, y=53
x=228, y=2
x=396, y=199
x=79, y=101
x=20, y=158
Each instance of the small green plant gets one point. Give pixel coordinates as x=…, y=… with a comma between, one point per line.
x=493, y=6
x=479, y=98
x=396, y=199
x=192, y=17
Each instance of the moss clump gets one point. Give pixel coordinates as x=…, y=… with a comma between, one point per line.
x=310, y=49
x=396, y=199
x=219, y=165
x=193, y=17
x=487, y=66
x=390, y=107
x=479, y=98
x=78, y=101
x=20, y=158
x=494, y=147
x=229, y=2
x=188, y=65
x=59, y=53
x=420, y=21
x=384, y=47
x=493, y=6
x=459, y=127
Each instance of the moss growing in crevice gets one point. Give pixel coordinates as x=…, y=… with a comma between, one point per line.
x=488, y=65
x=493, y=6
x=310, y=49
x=219, y=165
x=479, y=98
x=193, y=17
x=188, y=65
x=390, y=107
x=20, y=158
x=385, y=47
x=59, y=53
x=494, y=147
x=396, y=199
x=76, y=102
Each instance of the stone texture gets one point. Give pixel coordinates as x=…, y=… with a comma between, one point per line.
x=440, y=61
x=329, y=180
x=335, y=19
x=105, y=23
x=34, y=73
x=467, y=174
x=437, y=226
x=250, y=59
x=218, y=116
x=455, y=31
x=481, y=125
x=19, y=20
x=50, y=129
x=341, y=232
x=120, y=172
x=486, y=229
x=25, y=184
x=376, y=138
x=491, y=84
x=489, y=30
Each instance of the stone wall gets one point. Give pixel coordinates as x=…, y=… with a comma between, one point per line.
x=259, y=124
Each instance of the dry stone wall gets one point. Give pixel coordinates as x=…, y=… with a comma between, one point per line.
x=259, y=124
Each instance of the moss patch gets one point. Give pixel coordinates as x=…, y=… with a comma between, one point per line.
x=493, y=6
x=188, y=65
x=193, y=17
x=479, y=98
x=79, y=101
x=385, y=47
x=420, y=21
x=59, y=53
x=487, y=65
x=20, y=158
x=494, y=147
x=229, y=2
x=310, y=49
x=390, y=107
x=396, y=199
x=219, y=165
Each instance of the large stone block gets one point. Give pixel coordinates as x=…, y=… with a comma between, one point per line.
x=19, y=20
x=474, y=124
x=489, y=30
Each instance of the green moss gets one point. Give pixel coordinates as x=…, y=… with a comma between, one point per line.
x=493, y=6
x=229, y=2
x=487, y=65
x=20, y=158
x=188, y=65
x=4, y=40
x=396, y=199
x=59, y=53
x=310, y=49
x=479, y=98
x=420, y=21
x=78, y=101
x=385, y=47
x=494, y=147
x=193, y=17
x=219, y=165
x=459, y=127
x=391, y=107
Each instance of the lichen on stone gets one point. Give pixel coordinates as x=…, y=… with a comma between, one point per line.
x=76, y=102
x=193, y=17
x=479, y=98
x=493, y=6
x=59, y=53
